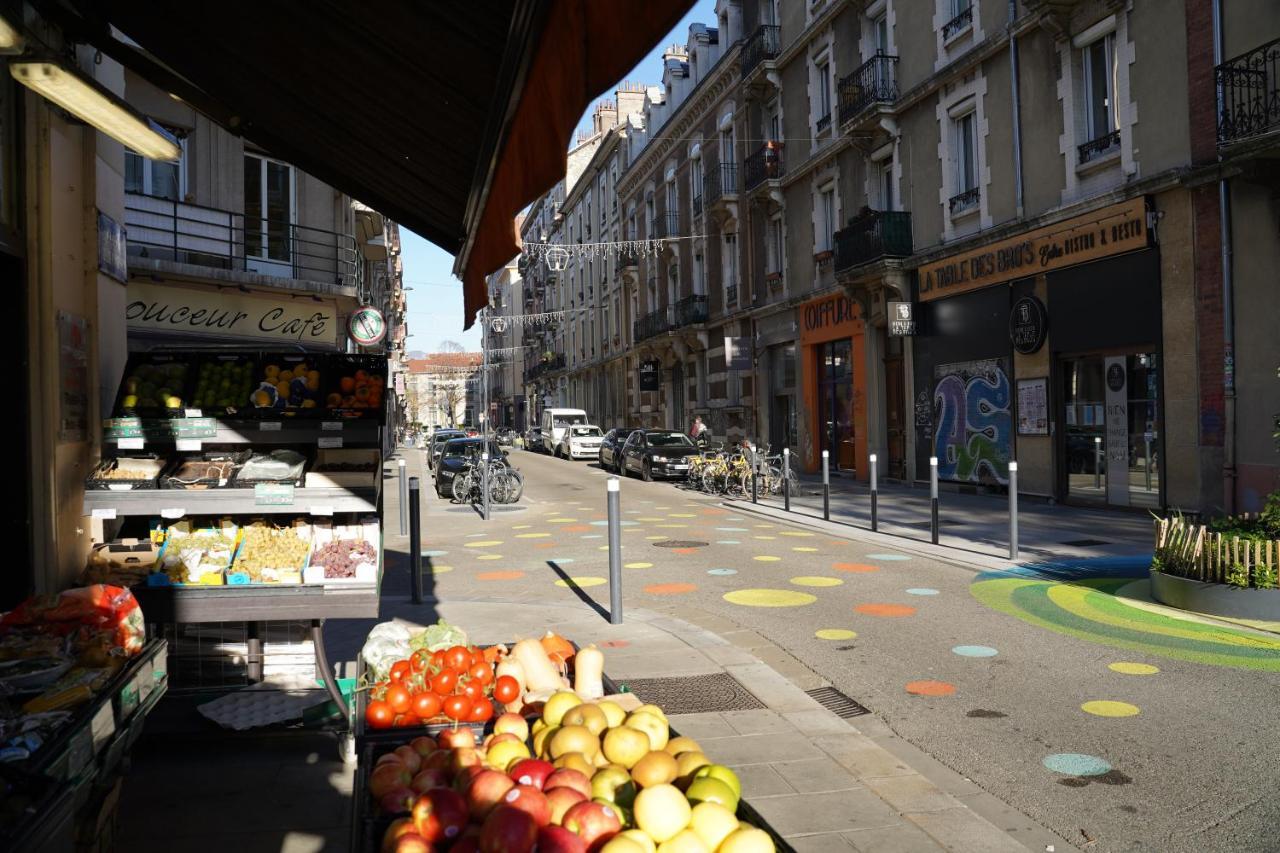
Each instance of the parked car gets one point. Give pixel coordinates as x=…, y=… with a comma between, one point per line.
x=555, y=422
x=438, y=439
x=456, y=455
x=505, y=436
x=610, y=455
x=580, y=442
x=533, y=439
x=658, y=453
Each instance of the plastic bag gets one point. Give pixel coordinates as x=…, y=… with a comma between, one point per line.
x=387, y=643
x=99, y=613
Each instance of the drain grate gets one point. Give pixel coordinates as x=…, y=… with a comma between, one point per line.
x=837, y=703
x=679, y=543
x=694, y=694
x=1085, y=543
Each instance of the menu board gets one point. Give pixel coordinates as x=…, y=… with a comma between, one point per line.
x=1033, y=406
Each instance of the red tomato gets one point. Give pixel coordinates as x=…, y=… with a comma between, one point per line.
x=407, y=721
x=437, y=659
x=399, y=670
x=481, y=672
x=506, y=689
x=481, y=711
x=472, y=690
x=426, y=705
x=420, y=660
x=398, y=698
x=477, y=654
x=444, y=681
x=457, y=707
x=457, y=657
x=378, y=715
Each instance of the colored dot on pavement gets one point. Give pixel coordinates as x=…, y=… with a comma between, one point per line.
x=593, y=536
x=616, y=644
x=765, y=525
x=671, y=526
x=562, y=520
x=532, y=535
x=439, y=570
x=584, y=581
x=499, y=576
x=722, y=572
x=657, y=537
x=885, y=609
x=804, y=549
x=681, y=515
x=728, y=542
x=489, y=557
x=835, y=634
x=732, y=529
x=888, y=557
x=606, y=547
x=856, y=568
x=769, y=598
x=638, y=566
x=434, y=553
x=975, y=651
x=576, y=528
x=669, y=588
x=651, y=518
x=816, y=580
x=1076, y=764
x=545, y=545
x=929, y=687
x=623, y=522
x=521, y=526
x=1128, y=668
x=1108, y=708
x=797, y=533
x=560, y=560
x=764, y=537
x=765, y=558
x=484, y=543
x=922, y=590
x=684, y=550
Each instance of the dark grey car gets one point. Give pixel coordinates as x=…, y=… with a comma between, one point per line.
x=658, y=453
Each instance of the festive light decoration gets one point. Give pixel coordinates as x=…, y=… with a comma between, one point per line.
x=557, y=255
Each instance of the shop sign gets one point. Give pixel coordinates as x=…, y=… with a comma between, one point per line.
x=112, y=249
x=366, y=326
x=1028, y=324
x=902, y=319
x=1117, y=430
x=171, y=310
x=651, y=376
x=737, y=353
x=1033, y=406
x=828, y=318
x=1110, y=231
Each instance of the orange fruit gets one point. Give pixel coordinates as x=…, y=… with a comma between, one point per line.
x=333, y=400
x=348, y=384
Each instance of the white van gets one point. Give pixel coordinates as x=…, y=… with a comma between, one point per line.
x=554, y=424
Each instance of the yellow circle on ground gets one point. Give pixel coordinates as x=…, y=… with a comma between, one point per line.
x=671, y=526
x=769, y=598
x=605, y=548
x=764, y=525
x=765, y=558
x=804, y=550
x=800, y=533
x=532, y=535
x=650, y=518
x=681, y=515
x=638, y=565
x=764, y=537
x=1107, y=708
x=439, y=570
x=835, y=634
x=489, y=557
x=484, y=543
x=816, y=580
x=521, y=526
x=561, y=520
x=1129, y=668
x=657, y=537
x=585, y=581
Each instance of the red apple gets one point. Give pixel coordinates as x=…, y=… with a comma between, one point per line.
x=454, y=738
x=387, y=758
x=463, y=756
x=557, y=839
x=493, y=740
x=560, y=800
x=440, y=815
x=428, y=778
x=567, y=777
x=485, y=792
x=424, y=745
x=397, y=801
x=412, y=843
x=387, y=777
x=592, y=822
x=529, y=799
x=439, y=759
x=463, y=780
x=409, y=757
x=508, y=830
x=400, y=826
x=531, y=771
x=470, y=844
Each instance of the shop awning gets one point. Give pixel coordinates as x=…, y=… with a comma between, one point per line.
x=449, y=117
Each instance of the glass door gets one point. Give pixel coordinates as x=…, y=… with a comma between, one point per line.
x=1084, y=421
x=269, y=216
x=835, y=401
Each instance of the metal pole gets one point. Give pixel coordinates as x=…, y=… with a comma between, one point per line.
x=484, y=479
x=415, y=540
x=874, y=494
x=933, y=498
x=404, y=499
x=1097, y=462
x=755, y=468
x=786, y=479
x=1013, y=510
x=826, y=486
x=615, y=551
x=1147, y=442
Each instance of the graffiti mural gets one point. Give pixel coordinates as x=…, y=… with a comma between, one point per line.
x=973, y=423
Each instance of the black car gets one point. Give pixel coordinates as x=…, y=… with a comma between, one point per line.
x=456, y=455
x=658, y=453
x=438, y=439
x=611, y=448
x=533, y=439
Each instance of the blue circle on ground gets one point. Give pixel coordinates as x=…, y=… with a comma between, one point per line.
x=733, y=529
x=560, y=560
x=592, y=536
x=728, y=542
x=475, y=535
x=888, y=557
x=975, y=651
x=921, y=590
x=605, y=523
x=434, y=553
x=1076, y=764
x=722, y=572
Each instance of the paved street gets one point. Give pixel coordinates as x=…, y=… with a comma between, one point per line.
x=1058, y=690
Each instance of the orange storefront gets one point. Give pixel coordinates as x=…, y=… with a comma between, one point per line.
x=834, y=381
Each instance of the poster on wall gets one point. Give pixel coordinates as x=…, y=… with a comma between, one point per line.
x=737, y=353
x=1117, y=430
x=73, y=378
x=973, y=423
x=650, y=376
x=1033, y=406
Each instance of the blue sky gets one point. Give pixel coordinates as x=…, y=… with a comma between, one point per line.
x=435, y=303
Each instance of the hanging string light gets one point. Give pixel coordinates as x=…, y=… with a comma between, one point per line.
x=557, y=255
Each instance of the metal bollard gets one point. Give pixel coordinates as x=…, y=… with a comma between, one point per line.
x=826, y=486
x=415, y=540
x=786, y=479
x=874, y=493
x=484, y=485
x=1013, y=510
x=1147, y=466
x=933, y=498
x=615, y=550
x=404, y=500
x=755, y=467
x=1097, y=462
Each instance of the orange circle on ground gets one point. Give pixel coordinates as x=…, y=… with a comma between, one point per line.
x=599, y=517
x=545, y=545
x=616, y=644
x=885, y=610
x=684, y=550
x=928, y=687
x=859, y=568
x=576, y=528
x=499, y=576
x=715, y=512
x=669, y=588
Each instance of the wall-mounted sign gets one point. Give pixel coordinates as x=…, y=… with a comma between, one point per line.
x=159, y=308
x=650, y=376
x=112, y=249
x=1028, y=324
x=902, y=319
x=828, y=319
x=366, y=326
x=1116, y=428
x=1033, y=406
x=1110, y=231
x=737, y=353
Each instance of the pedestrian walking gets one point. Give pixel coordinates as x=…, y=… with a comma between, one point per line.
x=700, y=433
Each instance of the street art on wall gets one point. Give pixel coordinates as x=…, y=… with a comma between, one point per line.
x=972, y=420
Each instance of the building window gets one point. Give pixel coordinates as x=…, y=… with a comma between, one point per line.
x=268, y=211
x=961, y=19
x=613, y=187
x=773, y=246
x=826, y=219
x=1101, y=108
x=699, y=275
x=155, y=177
x=729, y=263
x=966, y=165
x=822, y=120
x=886, y=185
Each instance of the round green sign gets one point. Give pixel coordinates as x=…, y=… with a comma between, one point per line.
x=367, y=326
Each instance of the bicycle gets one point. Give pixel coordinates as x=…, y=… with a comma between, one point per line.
x=506, y=484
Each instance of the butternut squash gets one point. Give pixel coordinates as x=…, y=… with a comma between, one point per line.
x=588, y=676
x=539, y=671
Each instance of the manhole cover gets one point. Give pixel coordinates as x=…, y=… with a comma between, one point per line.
x=492, y=508
x=694, y=694
x=837, y=703
x=1084, y=543
x=680, y=543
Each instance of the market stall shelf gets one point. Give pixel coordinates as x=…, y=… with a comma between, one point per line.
x=171, y=503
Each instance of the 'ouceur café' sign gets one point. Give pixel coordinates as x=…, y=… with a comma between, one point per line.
x=1109, y=231
x=172, y=310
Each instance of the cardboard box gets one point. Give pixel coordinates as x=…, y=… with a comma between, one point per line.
x=326, y=532
x=316, y=478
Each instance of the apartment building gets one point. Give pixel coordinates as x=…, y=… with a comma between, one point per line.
x=441, y=389
x=507, y=405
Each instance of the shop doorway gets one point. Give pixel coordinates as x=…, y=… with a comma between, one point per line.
x=895, y=411
x=677, y=397
x=1111, y=427
x=835, y=401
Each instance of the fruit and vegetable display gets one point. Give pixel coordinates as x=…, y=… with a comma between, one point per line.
x=126, y=474
x=277, y=466
x=357, y=389
x=154, y=386
x=270, y=554
x=222, y=384
x=341, y=557
x=213, y=470
x=122, y=562
x=287, y=386
x=198, y=556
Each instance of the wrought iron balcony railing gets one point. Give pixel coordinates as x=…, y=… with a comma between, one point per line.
x=765, y=43
x=964, y=201
x=1249, y=89
x=1095, y=148
x=697, y=197
x=823, y=123
x=872, y=235
x=628, y=259
x=665, y=225
x=691, y=310
x=874, y=82
x=721, y=182
x=766, y=164
x=957, y=24
x=651, y=324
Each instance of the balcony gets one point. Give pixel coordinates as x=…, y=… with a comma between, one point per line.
x=628, y=259
x=664, y=225
x=721, y=183
x=1250, y=92
x=1095, y=149
x=964, y=202
x=767, y=164
x=765, y=44
x=164, y=231
x=650, y=325
x=871, y=236
x=873, y=86
x=957, y=25
x=690, y=311
x=548, y=364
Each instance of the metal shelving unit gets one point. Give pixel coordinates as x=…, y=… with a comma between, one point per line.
x=177, y=503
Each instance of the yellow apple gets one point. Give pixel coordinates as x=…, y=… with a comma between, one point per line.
x=513, y=724
x=724, y=774
x=618, y=844
x=747, y=840
x=541, y=737
x=687, y=764
x=651, y=709
x=654, y=727
x=656, y=768
x=575, y=761
x=586, y=715
x=503, y=754
x=677, y=745
x=613, y=785
x=626, y=745
x=713, y=823
x=613, y=712
x=640, y=838
x=705, y=789
x=662, y=812
x=558, y=705
x=574, y=739
x=686, y=841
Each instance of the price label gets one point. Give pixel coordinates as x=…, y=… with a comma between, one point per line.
x=123, y=427
x=321, y=510
x=193, y=427
x=329, y=441
x=331, y=426
x=173, y=512
x=131, y=443
x=107, y=513
x=273, y=494
x=193, y=444
x=270, y=426
x=193, y=413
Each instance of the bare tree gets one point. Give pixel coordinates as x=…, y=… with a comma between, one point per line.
x=451, y=346
x=450, y=397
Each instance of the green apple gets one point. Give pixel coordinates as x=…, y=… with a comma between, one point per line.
x=615, y=785
x=724, y=774
x=709, y=790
